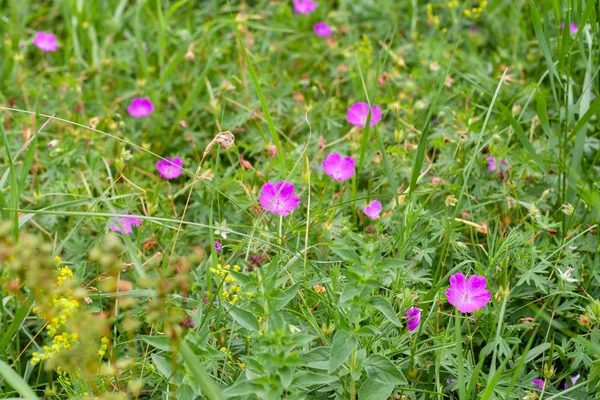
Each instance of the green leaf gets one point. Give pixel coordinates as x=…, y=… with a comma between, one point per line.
x=243, y=388
x=373, y=389
x=160, y=342
x=380, y=368
x=164, y=366
x=385, y=308
x=309, y=378
x=17, y=383
x=209, y=388
x=242, y=317
x=343, y=345
x=283, y=297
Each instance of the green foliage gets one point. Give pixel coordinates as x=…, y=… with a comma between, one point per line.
x=485, y=162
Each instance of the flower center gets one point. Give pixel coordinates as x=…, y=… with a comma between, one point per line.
x=466, y=297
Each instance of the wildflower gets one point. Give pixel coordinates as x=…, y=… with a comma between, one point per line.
x=566, y=276
x=305, y=6
x=538, y=383
x=125, y=224
x=223, y=229
x=273, y=150
x=218, y=247
x=358, y=113
x=256, y=261
x=492, y=163
x=322, y=29
x=470, y=295
x=413, y=318
x=574, y=380
x=573, y=28
x=319, y=289
x=170, y=168
x=278, y=198
x=45, y=42
x=373, y=209
x=339, y=168
x=140, y=107
x=52, y=143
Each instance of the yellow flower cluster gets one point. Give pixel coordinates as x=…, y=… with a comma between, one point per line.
x=433, y=19
x=62, y=308
x=103, y=346
x=231, y=287
x=230, y=361
x=475, y=12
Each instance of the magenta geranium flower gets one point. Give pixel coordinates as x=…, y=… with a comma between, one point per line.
x=125, y=224
x=573, y=28
x=322, y=29
x=413, y=318
x=278, y=198
x=45, y=41
x=305, y=6
x=170, y=168
x=358, y=113
x=140, y=107
x=470, y=295
x=339, y=168
x=538, y=383
x=373, y=209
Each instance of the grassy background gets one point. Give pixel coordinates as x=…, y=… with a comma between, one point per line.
x=509, y=84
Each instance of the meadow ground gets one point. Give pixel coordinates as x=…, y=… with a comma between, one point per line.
x=345, y=199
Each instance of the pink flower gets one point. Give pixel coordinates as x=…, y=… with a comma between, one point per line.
x=170, y=168
x=492, y=163
x=339, y=168
x=413, y=318
x=45, y=42
x=373, y=209
x=357, y=114
x=322, y=29
x=273, y=150
x=470, y=295
x=125, y=224
x=539, y=383
x=140, y=107
x=305, y=6
x=574, y=380
x=573, y=28
x=278, y=198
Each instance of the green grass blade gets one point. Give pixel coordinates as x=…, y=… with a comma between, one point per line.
x=15, y=324
x=14, y=185
x=539, y=33
x=17, y=383
x=263, y=100
x=420, y=156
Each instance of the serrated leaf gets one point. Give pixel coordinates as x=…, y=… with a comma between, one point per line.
x=343, y=345
x=385, y=308
x=242, y=317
